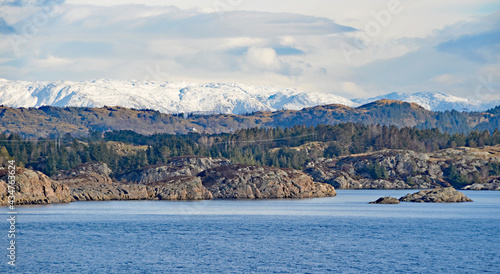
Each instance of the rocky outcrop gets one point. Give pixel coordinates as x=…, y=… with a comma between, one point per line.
x=110, y=192
x=196, y=178
x=439, y=195
x=493, y=184
x=386, y=201
x=388, y=169
x=175, y=167
x=257, y=182
x=182, y=178
x=404, y=169
x=91, y=182
x=33, y=187
x=85, y=174
x=179, y=188
x=177, y=180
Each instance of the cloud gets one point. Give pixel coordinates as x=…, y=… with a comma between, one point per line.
x=24, y=3
x=265, y=59
x=481, y=47
x=233, y=24
x=78, y=49
x=292, y=44
x=454, y=66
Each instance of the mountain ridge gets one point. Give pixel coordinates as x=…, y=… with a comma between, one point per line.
x=166, y=97
x=53, y=122
x=207, y=98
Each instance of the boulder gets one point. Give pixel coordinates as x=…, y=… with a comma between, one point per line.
x=386, y=200
x=438, y=195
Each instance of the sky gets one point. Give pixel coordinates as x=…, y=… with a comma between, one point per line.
x=356, y=49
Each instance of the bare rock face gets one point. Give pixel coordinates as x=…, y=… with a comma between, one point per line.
x=86, y=174
x=256, y=182
x=405, y=169
x=439, y=195
x=114, y=191
x=91, y=182
x=386, y=200
x=493, y=184
x=175, y=167
x=34, y=187
x=178, y=188
x=386, y=169
x=181, y=179
x=197, y=164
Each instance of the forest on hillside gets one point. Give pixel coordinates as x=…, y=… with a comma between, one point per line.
x=55, y=122
x=279, y=147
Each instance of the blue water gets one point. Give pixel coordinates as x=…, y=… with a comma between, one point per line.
x=340, y=234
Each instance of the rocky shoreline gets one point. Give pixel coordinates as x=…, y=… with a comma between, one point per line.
x=182, y=178
x=205, y=178
x=406, y=169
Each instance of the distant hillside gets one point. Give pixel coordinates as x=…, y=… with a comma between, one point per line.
x=52, y=121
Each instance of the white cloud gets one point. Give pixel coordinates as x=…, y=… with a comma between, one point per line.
x=264, y=59
x=293, y=43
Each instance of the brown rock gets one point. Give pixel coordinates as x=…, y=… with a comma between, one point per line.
x=256, y=182
x=438, y=195
x=91, y=182
x=34, y=187
x=386, y=200
x=492, y=184
x=179, y=188
x=175, y=167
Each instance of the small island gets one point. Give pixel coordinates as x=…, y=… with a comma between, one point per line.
x=439, y=195
x=386, y=201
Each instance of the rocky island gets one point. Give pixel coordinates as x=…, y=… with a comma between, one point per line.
x=439, y=195
x=386, y=201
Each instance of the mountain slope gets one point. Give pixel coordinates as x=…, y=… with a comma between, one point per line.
x=435, y=101
x=166, y=97
x=54, y=121
x=182, y=97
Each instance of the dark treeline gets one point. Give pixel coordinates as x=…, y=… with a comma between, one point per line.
x=289, y=147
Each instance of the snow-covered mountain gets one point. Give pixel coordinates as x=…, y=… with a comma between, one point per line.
x=435, y=101
x=167, y=97
x=182, y=97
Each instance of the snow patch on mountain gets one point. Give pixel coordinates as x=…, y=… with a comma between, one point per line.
x=183, y=97
x=435, y=101
x=166, y=97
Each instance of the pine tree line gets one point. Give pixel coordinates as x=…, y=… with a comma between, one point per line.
x=289, y=147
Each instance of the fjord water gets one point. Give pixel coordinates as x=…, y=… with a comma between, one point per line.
x=340, y=234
